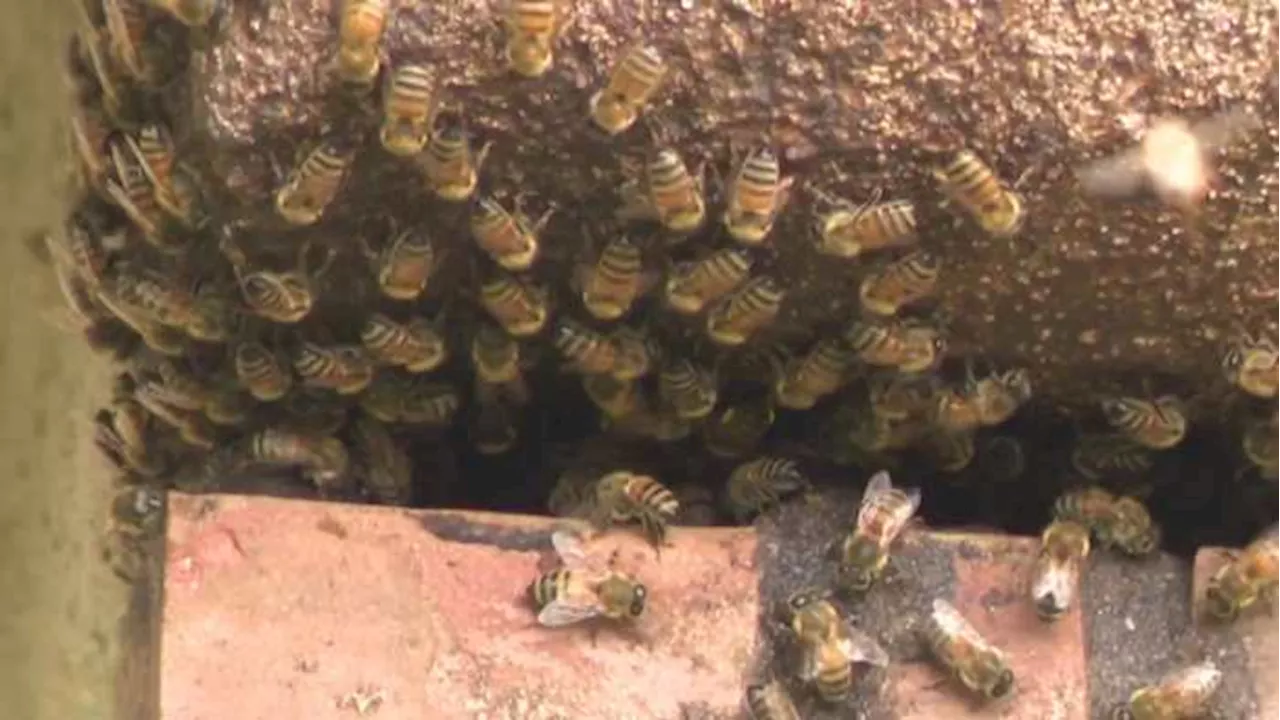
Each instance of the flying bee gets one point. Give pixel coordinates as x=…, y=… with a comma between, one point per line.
x=1261, y=447
x=848, y=231
x=738, y=427
x=408, y=110
x=261, y=372
x=405, y=265
x=192, y=13
x=611, y=285
x=632, y=82
x=910, y=348
x=615, y=397
x=450, y=166
x=577, y=591
x=771, y=701
x=882, y=515
x=745, y=311
x=1253, y=366
x=495, y=355
x=429, y=403
x=819, y=373
x=532, y=29
x=623, y=496
x=691, y=286
x=975, y=662
x=417, y=345
x=1185, y=693
x=831, y=646
x=670, y=194
x=1064, y=545
x=126, y=28
x=492, y=424
x=388, y=473
x=972, y=185
x=756, y=486
x=689, y=391
x=907, y=280
x=345, y=369
x=520, y=309
x=1097, y=456
x=757, y=194
x=1250, y=575
x=281, y=297
x=360, y=39
x=509, y=238
x=1159, y=424
x=587, y=351
x=313, y=184
x=323, y=460
x=897, y=397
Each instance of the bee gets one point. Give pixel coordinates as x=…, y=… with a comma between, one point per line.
x=382, y=400
x=1064, y=545
x=1260, y=446
x=192, y=13
x=909, y=279
x=429, y=403
x=612, y=283
x=1158, y=424
x=228, y=406
x=495, y=355
x=976, y=663
x=212, y=314
x=154, y=148
x=389, y=472
x=757, y=194
x=971, y=184
x=1123, y=523
x=520, y=309
x=150, y=295
x=951, y=450
x=636, y=353
x=1097, y=456
x=135, y=513
x=417, y=345
x=261, y=372
x=345, y=369
x=532, y=29
x=509, y=238
x=123, y=432
x=671, y=194
x=1182, y=694
x=1252, y=365
x=831, y=645
x=587, y=350
x=408, y=110
x=132, y=193
x=282, y=297
x=632, y=82
x=1250, y=575
x=908, y=347
x=360, y=39
x=449, y=165
x=615, y=397
x=756, y=486
x=848, y=231
x=882, y=515
x=312, y=185
x=738, y=427
x=323, y=460
x=897, y=397
x=571, y=494
x=314, y=411
x=744, y=312
x=1001, y=394
x=623, y=496
x=126, y=28
x=577, y=592
x=405, y=265
x=771, y=701
x=492, y=423
x=691, y=286
x=89, y=138
x=689, y=392
x=819, y=373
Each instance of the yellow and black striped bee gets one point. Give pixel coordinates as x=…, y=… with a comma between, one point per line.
x=388, y=471
x=323, y=460
x=910, y=347
x=902, y=282
x=408, y=109
x=520, y=309
x=832, y=647
x=1159, y=424
x=692, y=286
x=126, y=33
x=1185, y=693
x=611, y=285
x=1064, y=546
x=971, y=184
x=532, y=29
x=758, y=485
x=688, y=391
x=1123, y=523
x=451, y=168
x=757, y=194
x=192, y=13
x=281, y=297
x=632, y=82
x=417, y=345
x=228, y=405
x=670, y=193
x=345, y=369
x=1253, y=365
x=745, y=311
x=132, y=192
x=154, y=148
x=313, y=184
x=429, y=403
x=847, y=231
x=360, y=41
x=1104, y=455
x=623, y=497
x=806, y=380
x=405, y=265
x=507, y=237
x=262, y=372
x=980, y=666
x=123, y=433
x=737, y=428
x=495, y=355
x=882, y=515
x=587, y=351
x=1251, y=575
x=771, y=701
x=577, y=591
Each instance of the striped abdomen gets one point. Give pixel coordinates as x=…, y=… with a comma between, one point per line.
x=589, y=351
x=407, y=110
x=694, y=285
x=614, y=282
x=746, y=311
x=900, y=283
x=261, y=372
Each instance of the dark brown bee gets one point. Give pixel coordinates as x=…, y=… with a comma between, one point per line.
x=132, y=192
x=1159, y=424
x=495, y=355
x=756, y=486
x=405, y=265
x=429, y=403
x=745, y=312
x=126, y=27
x=492, y=425
x=417, y=346
x=344, y=369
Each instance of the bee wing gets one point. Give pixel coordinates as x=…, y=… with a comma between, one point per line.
x=877, y=485
x=810, y=663
x=953, y=625
x=1220, y=129
x=1119, y=175
x=1052, y=578
x=569, y=546
x=860, y=647
x=569, y=610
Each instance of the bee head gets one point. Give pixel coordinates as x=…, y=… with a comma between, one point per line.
x=1050, y=606
x=639, y=595
x=1218, y=604
x=1002, y=686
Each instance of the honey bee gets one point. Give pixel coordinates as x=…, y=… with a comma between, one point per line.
x=1001, y=394
x=756, y=486
x=806, y=380
x=907, y=280
x=882, y=515
x=1252, y=365
x=691, y=286
x=1064, y=545
x=670, y=193
x=429, y=403
x=148, y=294
x=345, y=369
x=417, y=345
x=636, y=353
x=126, y=28
x=192, y=428
x=971, y=184
x=520, y=309
x=313, y=411
x=382, y=400
x=831, y=645
x=738, y=427
x=261, y=372
x=1123, y=522
x=976, y=663
x=908, y=347
x=532, y=29
x=495, y=355
x=282, y=297
x=132, y=192
x=1261, y=447
x=1159, y=424
x=632, y=82
x=896, y=397
x=577, y=591
x=848, y=231
x=1185, y=693
x=322, y=460
x=212, y=314
x=611, y=285
x=745, y=311
x=492, y=423
x=509, y=238
x=1250, y=575
x=587, y=350
x=623, y=496
x=389, y=472
x=771, y=701
x=312, y=185
x=757, y=195
x=192, y=13
x=689, y=392
x=405, y=265
x=951, y=450
x=449, y=165
x=408, y=110
x=135, y=513
x=615, y=397
x=359, y=40
x=89, y=135
x=1097, y=456
x=154, y=148
x=228, y=406
x=122, y=432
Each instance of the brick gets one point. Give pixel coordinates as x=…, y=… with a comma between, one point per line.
x=1255, y=635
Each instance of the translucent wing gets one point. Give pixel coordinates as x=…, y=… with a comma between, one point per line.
x=878, y=485
x=953, y=625
x=1214, y=132
x=570, y=609
x=1115, y=176
x=860, y=647
x=569, y=546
